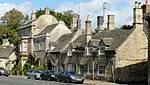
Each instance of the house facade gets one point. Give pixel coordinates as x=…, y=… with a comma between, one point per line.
x=31, y=28
x=8, y=55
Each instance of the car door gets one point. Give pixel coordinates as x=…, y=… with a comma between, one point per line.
x=61, y=75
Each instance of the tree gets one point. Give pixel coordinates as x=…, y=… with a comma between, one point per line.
x=12, y=20
x=66, y=16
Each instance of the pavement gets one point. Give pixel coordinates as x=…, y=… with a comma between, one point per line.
x=86, y=82
x=97, y=82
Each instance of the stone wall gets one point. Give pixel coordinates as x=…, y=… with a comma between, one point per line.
x=132, y=52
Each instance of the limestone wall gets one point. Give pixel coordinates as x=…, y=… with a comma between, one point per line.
x=131, y=52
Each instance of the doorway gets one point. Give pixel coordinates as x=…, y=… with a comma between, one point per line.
x=49, y=64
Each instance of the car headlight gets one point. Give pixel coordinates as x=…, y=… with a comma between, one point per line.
x=73, y=77
x=52, y=75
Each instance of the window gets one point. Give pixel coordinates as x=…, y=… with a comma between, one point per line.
x=101, y=70
x=90, y=69
x=23, y=46
x=89, y=50
x=40, y=46
x=102, y=49
x=70, y=67
x=69, y=53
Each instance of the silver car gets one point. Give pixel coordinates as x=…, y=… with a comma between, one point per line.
x=34, y=74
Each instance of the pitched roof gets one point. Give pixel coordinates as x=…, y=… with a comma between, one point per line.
x=107, y=41
x=118, y=36
x=48, y=29
x=63, y=41
x=6, y=51
x=95, y=42
x=81, y=40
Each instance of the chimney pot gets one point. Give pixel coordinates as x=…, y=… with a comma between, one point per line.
x=33, y=16
x=111, y=23
x=47, y=10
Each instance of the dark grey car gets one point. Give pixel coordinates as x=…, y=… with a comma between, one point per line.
x=34, y=74
x=3, y=72
x=70, y=76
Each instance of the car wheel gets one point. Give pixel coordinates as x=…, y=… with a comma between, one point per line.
x=41, y=78
x=6, y=75
x=81, y=82
x=35, y=77
x=49, y=78
x=28, y=77
x=58, y=80
x=67, y=80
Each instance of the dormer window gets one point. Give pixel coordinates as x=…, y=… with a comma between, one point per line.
x=70, y=49
x=101, y=50
x=89, y=48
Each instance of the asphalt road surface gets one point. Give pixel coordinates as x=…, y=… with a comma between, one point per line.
x=20, y=81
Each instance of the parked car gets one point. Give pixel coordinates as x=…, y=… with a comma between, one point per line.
x=49, y=75
x=34, y=74
x=3, y=72
x=70, y=76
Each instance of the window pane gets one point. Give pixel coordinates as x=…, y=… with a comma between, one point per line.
x=24, y=46
x=102, y=49
x=101, y=69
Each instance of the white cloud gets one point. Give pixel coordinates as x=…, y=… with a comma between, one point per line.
x=25, y=7
x=94, y=8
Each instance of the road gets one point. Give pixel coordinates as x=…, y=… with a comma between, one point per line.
x=20, y=81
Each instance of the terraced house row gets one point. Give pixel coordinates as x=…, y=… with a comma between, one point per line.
x=107, y=53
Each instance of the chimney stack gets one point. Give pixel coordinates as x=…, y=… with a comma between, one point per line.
x=33, y=16
x=146, y=2
x=47, y=11
x=138, y=13
x=5, y=41
x=100, y=23
x=111, y=23
x=88, y=29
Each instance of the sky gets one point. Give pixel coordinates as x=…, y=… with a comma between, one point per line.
x=122, y=9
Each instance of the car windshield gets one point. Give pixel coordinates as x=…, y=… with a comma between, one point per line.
x=72, y=72
x=37, y=71
x=52, y=71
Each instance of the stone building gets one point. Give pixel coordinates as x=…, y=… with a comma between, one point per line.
x=8, y=55
x=113, y=54
x=35, y=28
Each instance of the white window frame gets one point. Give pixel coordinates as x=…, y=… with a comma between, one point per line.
x=89, y=67
x=88, y=51
x=101, y=74
x=69, y=53
x=39, y=46
x=24, y=46
x=70, y=67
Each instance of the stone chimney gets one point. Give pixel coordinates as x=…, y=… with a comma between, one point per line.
x=33, y=16
x=146, y=8
x=76, y=23
x=5, y=41
x=47, y=10
x=88, y=29
x=100, y=21
x=138, y=13
x=111, y=23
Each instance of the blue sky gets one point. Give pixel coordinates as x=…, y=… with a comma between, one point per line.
x=42, y=3
x=122, y=9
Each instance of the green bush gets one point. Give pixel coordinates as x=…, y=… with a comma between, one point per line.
x=16, y=68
